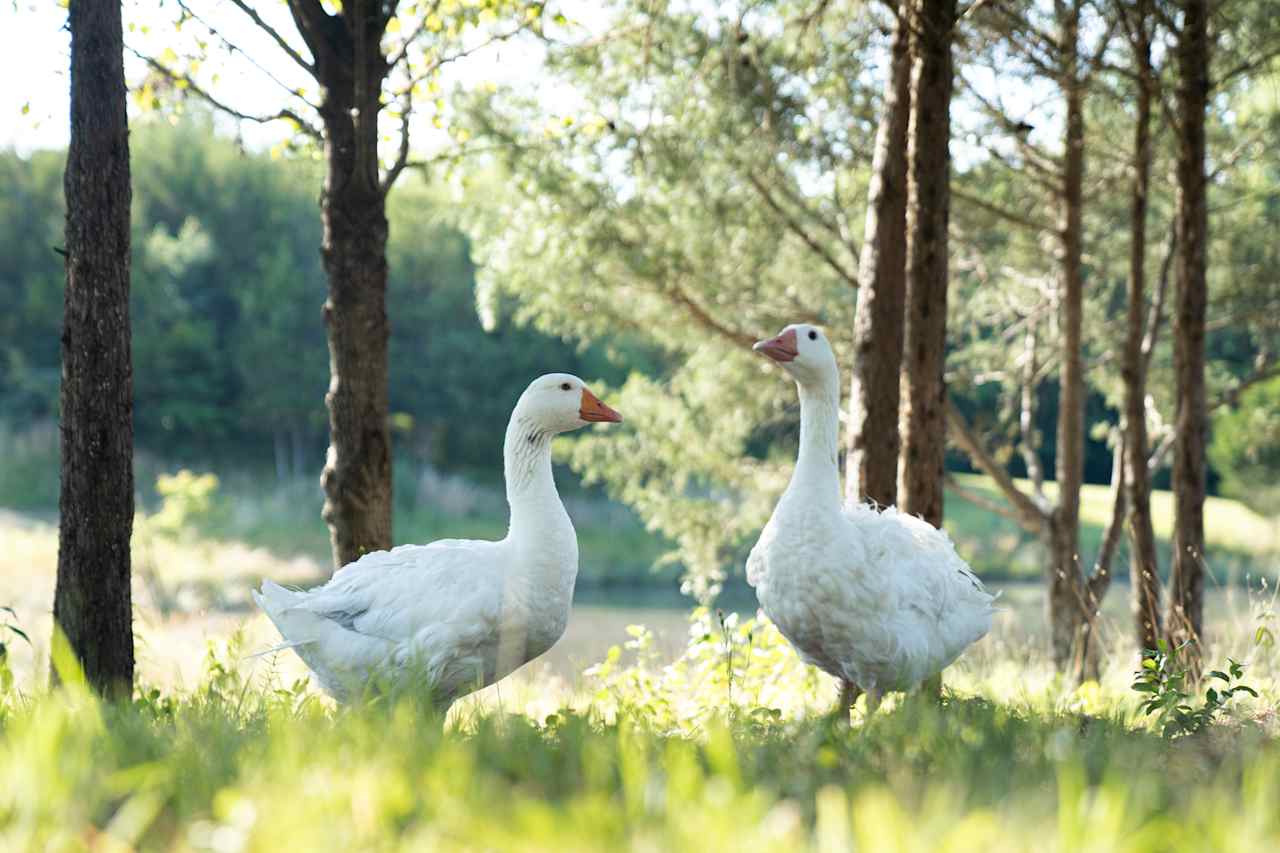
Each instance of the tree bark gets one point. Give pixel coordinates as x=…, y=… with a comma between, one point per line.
x=873, y=440
x=92, y=602
x=924, y=389
x=1191, y=296
x=1143, y=566
x=357, y=474
x=1070, y=614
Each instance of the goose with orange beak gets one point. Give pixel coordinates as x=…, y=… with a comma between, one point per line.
x=877, y=598
x=456, y=615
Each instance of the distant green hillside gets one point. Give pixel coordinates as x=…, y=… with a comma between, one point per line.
x=1239, y=539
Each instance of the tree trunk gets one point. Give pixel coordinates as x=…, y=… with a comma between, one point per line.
x=357, y=472
x=924, y=389
x=1069, y=609
x=1191, y=295
x=92, y=603
x=873, y=441
x=1143, y=567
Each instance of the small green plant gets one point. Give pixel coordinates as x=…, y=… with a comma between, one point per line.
x=188, y=502
x=1166, y=681
x=8, y=625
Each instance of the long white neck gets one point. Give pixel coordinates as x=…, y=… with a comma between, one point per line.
x=541, y=534
x=531, y=489
x=816, y=479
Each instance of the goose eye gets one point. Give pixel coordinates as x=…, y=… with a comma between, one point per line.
x=813, y=336
x=564, y=386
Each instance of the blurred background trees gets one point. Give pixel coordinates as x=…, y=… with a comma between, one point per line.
x=678, y=181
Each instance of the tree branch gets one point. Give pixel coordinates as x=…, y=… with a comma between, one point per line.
x=402, y=155
x=275, y=35
x=234, y=48
x=304, y=126
x=437, y=64
x=1246, y=67
x=1155, y=318
x=313, y=23
x=676, y=294
x=981, y=501
x=1001, y=212
x=1269, y=369
x=796, y=228
x=1029, y=514
x=1027, y=416
x=1100, y=579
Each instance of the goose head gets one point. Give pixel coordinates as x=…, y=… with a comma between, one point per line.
x=803, y=351
x=561, y=402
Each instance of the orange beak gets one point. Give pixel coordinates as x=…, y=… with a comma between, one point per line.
x=593, y=410
x=780, y=349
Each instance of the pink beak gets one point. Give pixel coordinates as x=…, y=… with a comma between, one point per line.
x=782, y=348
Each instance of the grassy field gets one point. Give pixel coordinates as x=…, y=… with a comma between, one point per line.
x=645, y=728
x=689, y=733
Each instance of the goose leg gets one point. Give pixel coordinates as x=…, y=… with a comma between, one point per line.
x=849, y=693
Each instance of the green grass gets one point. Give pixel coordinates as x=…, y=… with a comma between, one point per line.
x=719, y=740
x=727, y=748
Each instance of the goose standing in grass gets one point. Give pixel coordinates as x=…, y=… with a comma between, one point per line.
x=877, y=598
x=458, y=614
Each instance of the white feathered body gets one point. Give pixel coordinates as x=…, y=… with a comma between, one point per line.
x=876, y=597
x=455, y=615
x=460, y=614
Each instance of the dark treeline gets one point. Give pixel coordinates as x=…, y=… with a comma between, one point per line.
x=230, y=360
x=231, y=365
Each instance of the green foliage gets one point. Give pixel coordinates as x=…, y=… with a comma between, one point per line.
x=31, y=281
x=732, y=670
x=230, y=358
x=1166, y=682
x=659, y=211
x=188, y=500
x=721, y=197
x=1246, y=448
x=8, y=626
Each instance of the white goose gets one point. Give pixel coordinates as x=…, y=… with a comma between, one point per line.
x=877, y=598
x=458, y=614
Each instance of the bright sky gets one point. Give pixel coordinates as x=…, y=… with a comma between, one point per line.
x=35, y=45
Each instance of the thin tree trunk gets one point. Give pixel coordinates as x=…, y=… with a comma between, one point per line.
x=1100, y=578
x=1072, y=645
x=281, y=455
x=297, y=443
x=924, y=388
x=1191, y=295
x=1030, y=435
x=92, y=603
x=1143, y=566
x=873, y=441
x=357, y=472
